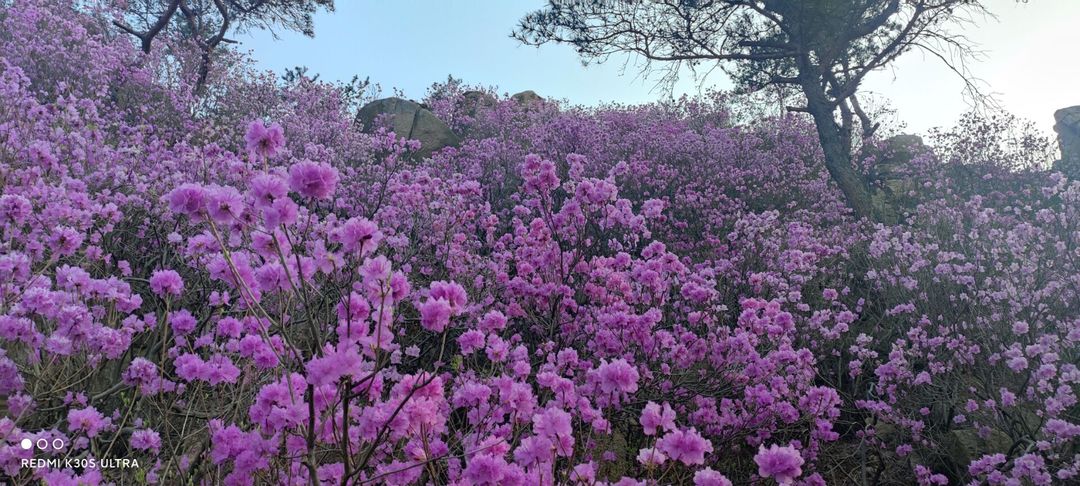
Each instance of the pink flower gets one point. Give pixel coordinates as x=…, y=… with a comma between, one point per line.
x=224, y=204
x=164, y=282
x=651, y=457
x=188, y=199
x=334, y=365
x=534, y=450
x=617, y=376
x=354, y=309
x=686, y=446
x=484, y=469
x=375, y=271
x=182, y=322
x=358, y=234
x=584, y=473
x=470, y=341
x=708, y=477
x=555, y=426
x=146, y=440
x=552, y=424
x=452, y=292
x=88, y=420
x=314, y=180
x=268, y=188
x=14, y=208
x=435, y=314
x=262, y=140
x=783, y=464
x=653, y=417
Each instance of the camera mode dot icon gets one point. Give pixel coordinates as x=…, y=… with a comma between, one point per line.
x=26, y=443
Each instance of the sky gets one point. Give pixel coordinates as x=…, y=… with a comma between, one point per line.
x=1028, y=58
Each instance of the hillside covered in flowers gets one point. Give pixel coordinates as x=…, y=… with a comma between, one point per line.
x=235, y=285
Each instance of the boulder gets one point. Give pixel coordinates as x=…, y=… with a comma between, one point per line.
x=527, y=98
x=471, y=102
x=962, y=446
x=411, y=121
x=1067, y=126
x=894, y=154
x=892, y=183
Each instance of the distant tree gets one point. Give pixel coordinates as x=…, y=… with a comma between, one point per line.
x=446, y=89
x=207, y=22
x=996, y=139
x=819, y=49
x=354, y=93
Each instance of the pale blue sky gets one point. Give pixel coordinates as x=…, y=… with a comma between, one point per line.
x=1030, y=63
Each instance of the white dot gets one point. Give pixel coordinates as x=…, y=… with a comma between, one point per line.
x=27, y=443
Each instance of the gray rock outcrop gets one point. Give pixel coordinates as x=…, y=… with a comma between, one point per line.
x=411, y=121
x=892, y=181
x=472, y=102
x=1067, y=126
x=527, y=98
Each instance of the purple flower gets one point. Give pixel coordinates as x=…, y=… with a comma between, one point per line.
x=653, y=417
x=166, y=282
x=452, y=292
x=486, y=470
x=182, y=322
x=709, y=477
x=65, y=240
x=354, y=309
x=651, y=457
x=686, y=446
x=470, y=341
x=492, y=321
x=617, y=376
x=334, y=365
x=262, y=140
x=314, y=180
x=783, y=464
x=555, y=425
x=87, y=420
x=534, y=450
x=146, y=440
x=188, y=199
x=189, y=367
x=14, y=208
x=267, y=188
x=358, y=234
x=224, y=204
x=435, y=314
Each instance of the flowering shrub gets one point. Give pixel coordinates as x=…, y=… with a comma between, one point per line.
x=243, y=289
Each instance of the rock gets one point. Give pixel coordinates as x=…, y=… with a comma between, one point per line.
x=895, y=154
x=527, y=98
x=471, y=102
x=1067, y=126
x=962, y=446
x=892, y=183
x=411, y=121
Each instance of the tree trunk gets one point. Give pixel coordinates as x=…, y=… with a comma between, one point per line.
x=838, y=163
x=837, y=152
